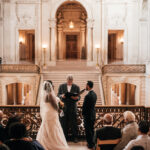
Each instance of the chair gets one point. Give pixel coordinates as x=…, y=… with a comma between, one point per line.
x=106, y=142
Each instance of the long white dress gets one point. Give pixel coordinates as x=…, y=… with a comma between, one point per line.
x=50, y=134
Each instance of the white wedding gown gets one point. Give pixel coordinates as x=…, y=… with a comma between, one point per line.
x=50, y=134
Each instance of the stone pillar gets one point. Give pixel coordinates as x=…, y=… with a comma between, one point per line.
x=60, y=50
x=52, y=56
x=89, y=40
x=83, y=36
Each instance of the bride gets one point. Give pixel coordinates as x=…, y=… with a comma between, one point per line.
x=50, y=134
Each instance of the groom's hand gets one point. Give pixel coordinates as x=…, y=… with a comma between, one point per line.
x=74, y=97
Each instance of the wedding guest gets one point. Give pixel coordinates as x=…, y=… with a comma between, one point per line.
x=2, y=130
x=89, y=114
x=70, y=107
x=137, y=148
x=4, y=147
x=129, y=132
x=108, y=132
x=18, y=132
x=11, y=120
x=143, y=139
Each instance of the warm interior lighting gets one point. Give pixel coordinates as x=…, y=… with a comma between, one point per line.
x=44, y=46
x=121, y=40
x=71, y=25
x=21, y=40
x=97, y=46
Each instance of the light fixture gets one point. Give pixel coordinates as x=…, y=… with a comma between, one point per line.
x=21, y=40
x=44, y=46
x=71, y=24
x=121, y=40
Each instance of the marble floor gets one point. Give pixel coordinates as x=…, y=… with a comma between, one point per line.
x=78, y=146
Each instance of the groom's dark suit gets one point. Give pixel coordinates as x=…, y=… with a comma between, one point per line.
x=70, y=109
x=89, y=115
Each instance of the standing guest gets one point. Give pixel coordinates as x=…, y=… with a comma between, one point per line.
x=2, y=130
x=108, y=132
x=17, y=133
x=89, y=114
x=129, y=132
x=70, y=106
x=143, y=139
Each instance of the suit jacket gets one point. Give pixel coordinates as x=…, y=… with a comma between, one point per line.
x=69, y=103
x=108, y=133
x=88, y=110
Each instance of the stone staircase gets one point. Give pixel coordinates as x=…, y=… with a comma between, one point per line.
x=80, y=72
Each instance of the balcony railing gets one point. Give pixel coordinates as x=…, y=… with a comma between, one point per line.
x=123, y=69
x=15, y=68
x=31, y=116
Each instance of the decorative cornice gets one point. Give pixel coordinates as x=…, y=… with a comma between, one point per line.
x=124, y=69
x=19, y=68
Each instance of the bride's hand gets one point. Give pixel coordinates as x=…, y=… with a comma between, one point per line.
x=61, y=104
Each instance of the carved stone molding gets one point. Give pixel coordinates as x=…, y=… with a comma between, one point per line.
x=19, y=69
x=52, y=23
x=124, y=69
x=90, y=23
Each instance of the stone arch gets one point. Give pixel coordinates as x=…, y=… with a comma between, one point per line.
x=58, y=3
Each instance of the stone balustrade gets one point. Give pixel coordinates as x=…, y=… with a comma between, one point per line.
x=123, y=69
x=19, y=68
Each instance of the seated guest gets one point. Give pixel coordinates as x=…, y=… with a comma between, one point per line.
x=11, y=120
x=143, y=139
x=2, y=132
x=129, y=132
x=137, y=148
x=17, y=133
x=4, y=147
x=108, y=132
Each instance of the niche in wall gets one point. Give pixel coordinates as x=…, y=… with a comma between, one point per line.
x=27, y=45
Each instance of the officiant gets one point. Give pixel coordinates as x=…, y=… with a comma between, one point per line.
x=69, y=94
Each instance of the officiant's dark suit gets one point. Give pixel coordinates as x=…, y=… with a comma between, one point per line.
x=70, y=109
x=89, y=114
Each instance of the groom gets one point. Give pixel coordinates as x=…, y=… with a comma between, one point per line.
x=89, y=114
x=70, y=106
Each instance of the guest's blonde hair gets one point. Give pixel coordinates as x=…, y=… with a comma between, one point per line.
x=129, y=116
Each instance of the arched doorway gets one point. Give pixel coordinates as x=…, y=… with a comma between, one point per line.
x=18, y=94
x=71, y=31
x=123, y=94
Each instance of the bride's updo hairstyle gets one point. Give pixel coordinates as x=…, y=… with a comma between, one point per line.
x=47, y=86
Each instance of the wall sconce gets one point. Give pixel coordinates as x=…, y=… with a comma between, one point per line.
x=121, y=40
x=21, y=40
x=97, y=46
x=44, y=46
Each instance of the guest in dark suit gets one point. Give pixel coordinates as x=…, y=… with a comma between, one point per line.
x=108, y=132
x=70, y=107
x=89, y=114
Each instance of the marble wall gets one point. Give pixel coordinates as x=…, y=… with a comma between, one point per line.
x=132, y=16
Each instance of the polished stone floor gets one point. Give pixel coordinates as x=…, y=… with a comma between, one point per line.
x=78, y=146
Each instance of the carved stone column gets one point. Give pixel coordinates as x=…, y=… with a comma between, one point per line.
x=52, y=40
x=89, y=40
x=83, y=36
x=60, y=34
